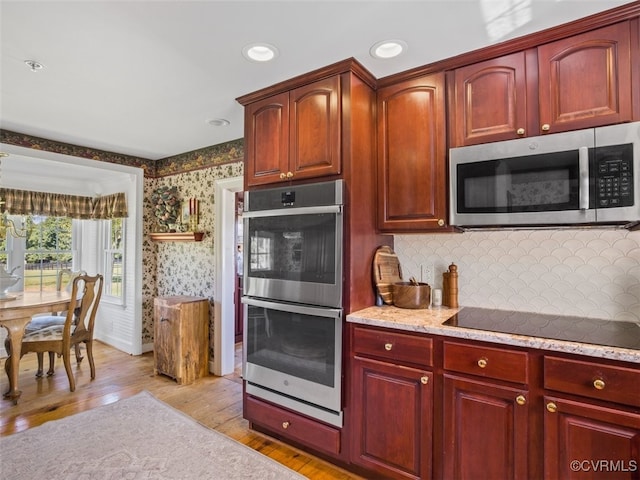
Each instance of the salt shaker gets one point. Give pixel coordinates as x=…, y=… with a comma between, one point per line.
x=450, y=286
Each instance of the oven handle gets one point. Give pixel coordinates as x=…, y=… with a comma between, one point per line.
x=294, y=211
x=294, y=308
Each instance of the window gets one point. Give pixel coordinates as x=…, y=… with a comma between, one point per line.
x=114, y=258
x=261, y=251
x=47, y=250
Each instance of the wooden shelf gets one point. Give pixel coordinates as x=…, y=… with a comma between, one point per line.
x=177, y=236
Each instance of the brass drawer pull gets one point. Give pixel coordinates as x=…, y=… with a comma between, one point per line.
x=482, y=363
x=552, y=407
x=546, y=127
x=520, y=131
x=283, y=176
x=285, y=425
x=388, y=346
x=521, y=400
x=424, y=380
x=598, y=384
x=289, y=175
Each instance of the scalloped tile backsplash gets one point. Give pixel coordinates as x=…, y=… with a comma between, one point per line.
x=590, y=273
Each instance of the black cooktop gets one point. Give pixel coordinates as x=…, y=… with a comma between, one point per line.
x=555, y=327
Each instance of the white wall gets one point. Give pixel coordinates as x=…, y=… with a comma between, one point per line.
x=590, y=273
x=117, y=325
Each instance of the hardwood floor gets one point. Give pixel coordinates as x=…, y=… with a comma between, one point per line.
x=214, y=401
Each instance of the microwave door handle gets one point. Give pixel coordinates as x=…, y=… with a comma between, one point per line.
x=583, y=165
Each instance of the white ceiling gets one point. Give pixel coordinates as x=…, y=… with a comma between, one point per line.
x=143, y=77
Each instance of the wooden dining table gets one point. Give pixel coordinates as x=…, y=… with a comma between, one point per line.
x=15, y=314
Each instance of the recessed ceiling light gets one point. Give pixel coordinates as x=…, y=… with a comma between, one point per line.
x=260, y=52
x=33, y=65
x=388, y=48
x=218, y=122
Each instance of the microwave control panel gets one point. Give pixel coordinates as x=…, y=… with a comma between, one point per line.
x=614, y=180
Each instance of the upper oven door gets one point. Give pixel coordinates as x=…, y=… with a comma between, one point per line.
x=532, y=181
x=294, y=255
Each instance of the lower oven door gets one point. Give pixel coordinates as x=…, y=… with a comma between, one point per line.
x=292, y=356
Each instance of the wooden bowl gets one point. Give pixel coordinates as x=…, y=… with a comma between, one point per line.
x=409, y=295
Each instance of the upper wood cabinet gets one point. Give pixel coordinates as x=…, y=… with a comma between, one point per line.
x=578, y=82
x=411, y=155
x=489, y=101
x=295, y=134
x=585, y=80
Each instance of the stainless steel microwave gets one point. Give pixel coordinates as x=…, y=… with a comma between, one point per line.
x=585, y=177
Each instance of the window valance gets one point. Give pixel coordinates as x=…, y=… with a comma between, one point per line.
x=24, y=202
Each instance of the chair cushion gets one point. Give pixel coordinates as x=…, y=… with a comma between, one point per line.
x=53, y=332
x=38, y=323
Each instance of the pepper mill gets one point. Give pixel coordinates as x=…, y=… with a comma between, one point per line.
x=450, y=287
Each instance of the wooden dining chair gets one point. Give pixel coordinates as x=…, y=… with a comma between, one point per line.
x=78, y=327
x=65, y=277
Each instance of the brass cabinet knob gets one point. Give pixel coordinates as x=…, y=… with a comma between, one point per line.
x=388, y=346
x=285, y=425
x=598, y=384
x=440, y=222
x=482, y=363
x=521, y=400
x=520, y=131
x=552, y=407
x=424, y=380
x=283, y=175
x=289, y=174
x=546, y=127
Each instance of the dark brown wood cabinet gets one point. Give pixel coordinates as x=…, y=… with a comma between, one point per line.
x=486, y=422
x=287, y=424
x=585, y=80
x=489, y=101
x=486, y=429
x=294, y=134
x=582, y=81
x=412, y=155
x=591, y=419
x=583, y=440
x=392, y=404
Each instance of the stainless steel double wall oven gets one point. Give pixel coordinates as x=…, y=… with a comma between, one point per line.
x=293, y=297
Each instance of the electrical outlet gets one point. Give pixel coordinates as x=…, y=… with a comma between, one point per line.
x=426, y=273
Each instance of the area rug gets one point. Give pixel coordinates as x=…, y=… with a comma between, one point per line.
x=136, y=438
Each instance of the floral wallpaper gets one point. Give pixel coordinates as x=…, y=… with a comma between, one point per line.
x=182, y=268
x=169, y=268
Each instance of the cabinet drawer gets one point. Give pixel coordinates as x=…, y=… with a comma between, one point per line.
x=397, y=347
x=291, y=425
x=594, y=380
x=498, y=363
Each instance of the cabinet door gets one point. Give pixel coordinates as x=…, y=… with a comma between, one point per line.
x=584, y=441
x=411, y=155
x=166, y=344
x=485, y=430
x=314, y=134
x=392, y=408
x=585, y=80
x=490, y=101
x=267, y=140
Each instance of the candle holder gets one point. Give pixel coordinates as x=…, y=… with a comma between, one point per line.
x=193, y=223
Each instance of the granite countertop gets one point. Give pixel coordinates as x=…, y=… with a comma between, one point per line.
x=577, y=335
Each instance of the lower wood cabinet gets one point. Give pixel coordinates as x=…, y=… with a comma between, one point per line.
x=591, y=419
x=584, y=440
x=485, y=430
x=393, y=415
x=427, y=406
x=181, y=337
x=290, y=425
